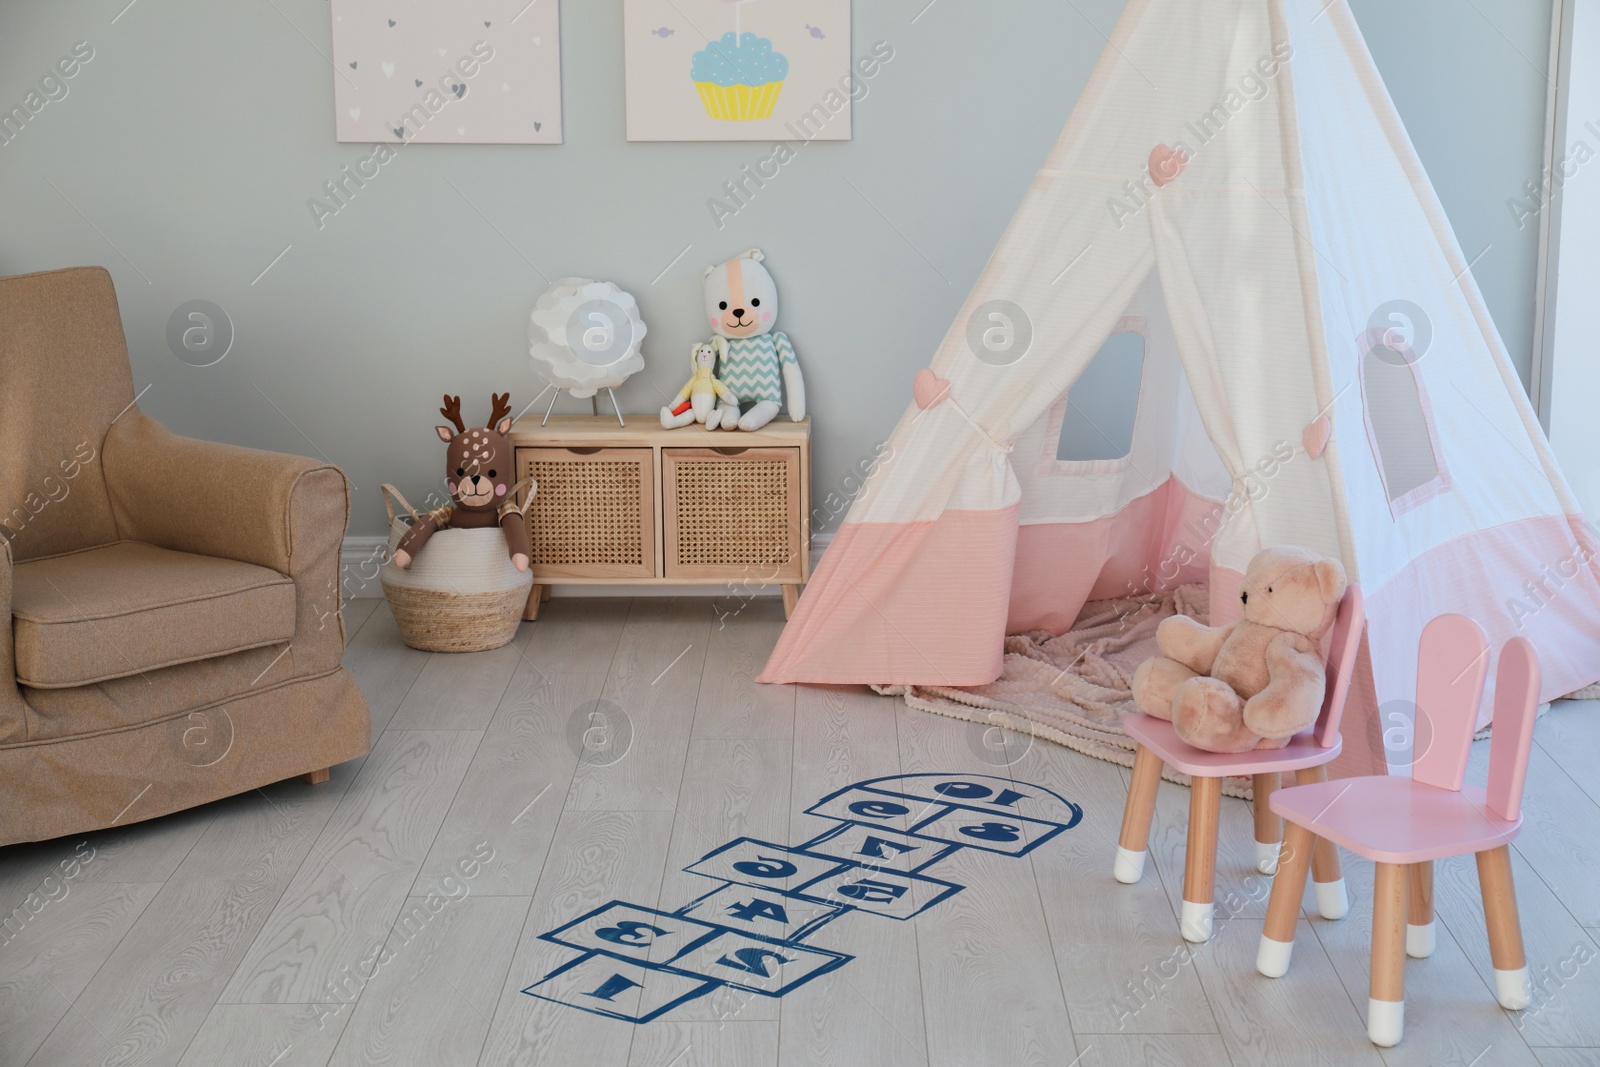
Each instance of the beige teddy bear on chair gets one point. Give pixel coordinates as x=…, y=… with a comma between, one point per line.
x=1257, y=682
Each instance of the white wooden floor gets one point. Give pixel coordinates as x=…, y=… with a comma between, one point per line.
x=359, y=922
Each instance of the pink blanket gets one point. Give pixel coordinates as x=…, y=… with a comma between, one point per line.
x=1073, y=689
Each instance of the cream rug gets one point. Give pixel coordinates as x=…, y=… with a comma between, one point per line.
x=1073, y=689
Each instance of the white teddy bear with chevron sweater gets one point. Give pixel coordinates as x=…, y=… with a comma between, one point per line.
x=758, y=364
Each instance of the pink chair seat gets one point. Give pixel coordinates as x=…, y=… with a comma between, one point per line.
x=1397, y=820
x=1158, y=735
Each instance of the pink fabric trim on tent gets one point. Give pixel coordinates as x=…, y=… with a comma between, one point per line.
x=1535, y=578
x=906, y=602
x=1157, y=542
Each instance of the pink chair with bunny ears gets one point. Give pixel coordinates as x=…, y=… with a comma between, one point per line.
x=1404, y=824
x=1307, y=754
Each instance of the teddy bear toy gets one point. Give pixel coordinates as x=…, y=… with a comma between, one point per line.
x=479, y=464
x=1257, y=682
x=695, y=401
x=758, y=364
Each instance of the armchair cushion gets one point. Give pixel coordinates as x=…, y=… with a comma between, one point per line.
x=127, y=608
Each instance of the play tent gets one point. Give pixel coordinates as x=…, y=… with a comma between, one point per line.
x=1314, y=363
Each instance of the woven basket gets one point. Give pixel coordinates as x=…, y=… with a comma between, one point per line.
x=461, y=593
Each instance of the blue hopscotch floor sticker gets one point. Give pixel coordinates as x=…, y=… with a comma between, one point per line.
x=748, y=932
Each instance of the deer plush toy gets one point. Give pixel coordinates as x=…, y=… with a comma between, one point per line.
x=480, y=482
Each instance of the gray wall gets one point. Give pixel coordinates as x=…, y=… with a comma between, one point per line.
x=185, y=151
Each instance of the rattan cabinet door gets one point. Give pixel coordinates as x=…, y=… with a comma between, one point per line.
x=594, y=515
x=732, y=513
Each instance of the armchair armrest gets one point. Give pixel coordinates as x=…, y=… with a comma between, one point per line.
x=13, y=711
x=222, y=500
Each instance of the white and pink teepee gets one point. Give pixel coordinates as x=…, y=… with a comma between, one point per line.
x=1315, y=366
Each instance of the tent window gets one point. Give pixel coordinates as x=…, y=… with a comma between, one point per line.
x=1102, y=403
x=1399, y=426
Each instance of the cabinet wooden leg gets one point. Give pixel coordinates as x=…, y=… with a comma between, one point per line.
x=315, y=777
x=791, y=597
x=544, y=593
x=536, y=596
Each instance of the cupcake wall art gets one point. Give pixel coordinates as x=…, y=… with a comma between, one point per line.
x=465, y=72
x=738, y=70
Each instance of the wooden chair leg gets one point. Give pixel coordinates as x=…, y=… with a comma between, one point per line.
x=1200, y=859
x=1283, y=909
x=530, y=611
x=315, y=777
x=1511, y=984
x=1386, y=999
x=1269, y=828
x=1134, y=841
x=1420, y=933
x=1327, y=874
x=791, y=597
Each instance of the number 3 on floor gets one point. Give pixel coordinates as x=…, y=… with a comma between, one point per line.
x=630, y=932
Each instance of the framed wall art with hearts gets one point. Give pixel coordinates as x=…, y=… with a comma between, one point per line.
x=471, y=72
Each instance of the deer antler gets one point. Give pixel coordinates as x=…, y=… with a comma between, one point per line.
x=452, y=411
x=502, y=407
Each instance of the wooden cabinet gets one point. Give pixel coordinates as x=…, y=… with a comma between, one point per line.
x=639, y=505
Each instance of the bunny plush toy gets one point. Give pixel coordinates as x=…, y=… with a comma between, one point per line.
x=696, y=401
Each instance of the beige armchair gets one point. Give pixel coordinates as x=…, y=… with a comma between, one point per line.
x=172, y=627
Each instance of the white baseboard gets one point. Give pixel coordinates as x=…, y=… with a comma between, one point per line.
x=358, y=567
x=359, y=559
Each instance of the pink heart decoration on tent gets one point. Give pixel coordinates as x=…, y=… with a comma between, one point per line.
x=929, y=389
x=1166, y=164
x=1316, y=435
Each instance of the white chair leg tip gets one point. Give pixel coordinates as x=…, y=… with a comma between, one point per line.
x=1267, y=857
x=1128, y=867
x=1332, y=900
x=1272, y=957
x=1195, y=924
x=1386, y=1022
x=1512, y=989
x=1420, y=940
